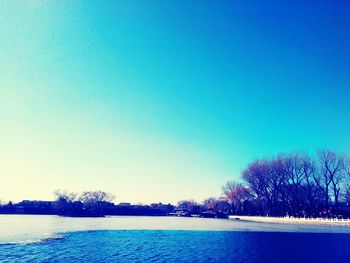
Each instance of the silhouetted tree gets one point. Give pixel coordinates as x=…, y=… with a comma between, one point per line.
x=190, y=206
x=332, y=166
x=313, y=193
x=65, y=202
x=258, y=178
x=64, y=195
x=347, y=180
x=93, y=197
x=96, y=201
x=210, y=203
x=294, y=184
x=347, y=165
x=236, y=195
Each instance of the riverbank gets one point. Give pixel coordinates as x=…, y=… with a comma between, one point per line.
x=292, y=220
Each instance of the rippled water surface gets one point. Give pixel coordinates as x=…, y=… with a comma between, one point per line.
x=166, y=239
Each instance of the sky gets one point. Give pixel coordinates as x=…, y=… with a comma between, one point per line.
x=158, y=101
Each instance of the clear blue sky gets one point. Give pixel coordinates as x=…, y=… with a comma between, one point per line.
x=165, y=100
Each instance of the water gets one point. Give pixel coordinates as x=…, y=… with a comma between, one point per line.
x=167, y=239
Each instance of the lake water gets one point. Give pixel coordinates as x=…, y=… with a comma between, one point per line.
x=167, y=239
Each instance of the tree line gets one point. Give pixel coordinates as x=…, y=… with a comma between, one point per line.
x=100, y=203
x=295, y=184
x=86, y=204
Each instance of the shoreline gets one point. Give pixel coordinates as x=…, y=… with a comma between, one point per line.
x=293, y=220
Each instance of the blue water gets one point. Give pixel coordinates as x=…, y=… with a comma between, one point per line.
x=182, y=246
x=167, y=239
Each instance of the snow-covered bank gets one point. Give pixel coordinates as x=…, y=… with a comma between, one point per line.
x=293, y=220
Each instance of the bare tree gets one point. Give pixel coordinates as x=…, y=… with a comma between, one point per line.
x=236, y=194
x=332, y=166
x=92, y=198
x=347, y=179
x=190, y=206
x=347, y=167
x=295, y=184
x=64, y=202
x=64, y=195
x=295, y=178
x=311, y=187
x=258, y=177
x=222, y=206
x=281, y=200
x=210, y=203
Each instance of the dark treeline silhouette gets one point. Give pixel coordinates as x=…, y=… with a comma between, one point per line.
x=295, y=184
x=298, y=185
x=88, y=204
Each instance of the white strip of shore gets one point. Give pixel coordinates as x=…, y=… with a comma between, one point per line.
x=293, y=220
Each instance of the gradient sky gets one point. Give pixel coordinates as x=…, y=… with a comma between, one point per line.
x=165, y=100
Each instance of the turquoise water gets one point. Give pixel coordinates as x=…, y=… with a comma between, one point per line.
x=165, y=239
